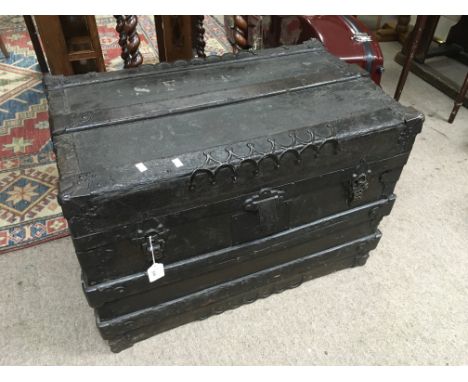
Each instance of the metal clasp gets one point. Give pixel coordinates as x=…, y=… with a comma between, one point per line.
x=151, y=233
x=359, y=182
x=154, y=247
x=266, y=205
x=361, y=37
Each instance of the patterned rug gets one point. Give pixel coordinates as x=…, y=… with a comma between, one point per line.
x=29, y=212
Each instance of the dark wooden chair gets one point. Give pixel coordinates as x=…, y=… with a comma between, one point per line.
x=179, y=38
x=417, y=48
x=70, y=43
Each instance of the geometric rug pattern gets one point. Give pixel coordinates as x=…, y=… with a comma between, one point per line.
x=29, y=211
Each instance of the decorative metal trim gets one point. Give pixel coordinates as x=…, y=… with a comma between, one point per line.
x=212, y=166
x=84, y=117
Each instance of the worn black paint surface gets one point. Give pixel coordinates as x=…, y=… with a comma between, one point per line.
x=281, y=162
x=233, y=294
x=258, y=255
x=321, y=234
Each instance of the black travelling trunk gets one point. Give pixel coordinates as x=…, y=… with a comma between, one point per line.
x=243, y=175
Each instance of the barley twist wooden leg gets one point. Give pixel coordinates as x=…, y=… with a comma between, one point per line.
x=136, y=59
x=199, y=36
x=129, y=40
x=120, y=28
x=240, y=32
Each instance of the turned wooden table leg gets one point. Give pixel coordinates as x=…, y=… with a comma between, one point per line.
x=240, y=32
x=459, y=100
x=199, y=35
x=131, y=23
x=120, y=28
x=402, y=27
x=129, y=40
x=418, y=28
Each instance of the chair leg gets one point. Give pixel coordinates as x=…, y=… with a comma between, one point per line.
x=34, y=36
x=418, y=28
x=459, y=100
x=3, y=48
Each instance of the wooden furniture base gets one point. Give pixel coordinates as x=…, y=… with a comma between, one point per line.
x=418, y=48
x=71, y=44
x=34, y=36
x=180, y=37
x=434, y=77
x=459, y=100
x=413, y=43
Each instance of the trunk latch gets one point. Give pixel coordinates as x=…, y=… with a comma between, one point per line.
x=266, y=204
x=153, y=240
x=154, y=246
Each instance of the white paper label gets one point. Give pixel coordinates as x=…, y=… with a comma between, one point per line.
x=155, y=272
x=177, y=162
x=170, y=85
x=145, y=90
x=141, y=167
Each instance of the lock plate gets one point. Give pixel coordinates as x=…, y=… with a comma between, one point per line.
x=359, y=182
x=152, y=237
x=266, y=204
x=263, y=214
